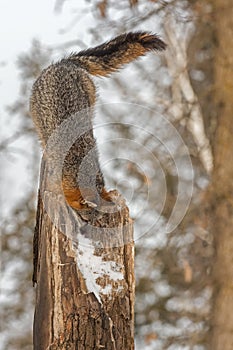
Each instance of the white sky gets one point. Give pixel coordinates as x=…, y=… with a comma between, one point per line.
x=20, y=21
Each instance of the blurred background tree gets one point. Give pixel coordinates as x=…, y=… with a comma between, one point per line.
x=183, y=265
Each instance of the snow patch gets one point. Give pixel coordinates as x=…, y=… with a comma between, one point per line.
x=94, y=268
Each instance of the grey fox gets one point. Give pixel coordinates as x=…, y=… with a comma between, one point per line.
x=65, y=89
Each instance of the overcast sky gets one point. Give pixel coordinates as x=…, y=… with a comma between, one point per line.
x=20, y=21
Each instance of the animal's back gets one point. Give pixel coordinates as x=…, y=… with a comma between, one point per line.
x=62, y=90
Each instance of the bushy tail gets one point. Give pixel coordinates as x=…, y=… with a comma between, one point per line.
x=112, y=55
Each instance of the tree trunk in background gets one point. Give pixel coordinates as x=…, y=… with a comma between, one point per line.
x=221, y=191
x=213, y=42
x=84, y=270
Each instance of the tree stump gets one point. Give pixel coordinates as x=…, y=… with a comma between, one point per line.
x=84, y=271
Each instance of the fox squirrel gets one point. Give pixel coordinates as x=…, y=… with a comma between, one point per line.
x=65, y=90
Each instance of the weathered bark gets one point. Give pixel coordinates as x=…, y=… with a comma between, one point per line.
x=84, y=270
x=222, y=186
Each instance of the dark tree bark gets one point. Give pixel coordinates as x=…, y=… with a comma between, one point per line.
x=84, y=270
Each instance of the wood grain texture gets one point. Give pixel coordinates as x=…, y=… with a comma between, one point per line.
x=74, y=311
